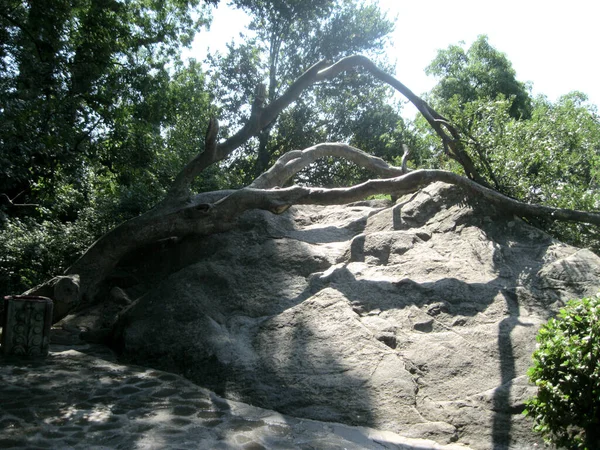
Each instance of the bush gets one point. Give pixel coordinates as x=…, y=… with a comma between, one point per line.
x=32, y=252
x=566, y=370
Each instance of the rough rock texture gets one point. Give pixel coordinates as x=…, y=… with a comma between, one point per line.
x=64, y=292
x=418, y=318
x=83, y=399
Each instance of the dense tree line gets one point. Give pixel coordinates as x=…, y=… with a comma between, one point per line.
x=94, y=121
x=526, y=148
x=98, y=113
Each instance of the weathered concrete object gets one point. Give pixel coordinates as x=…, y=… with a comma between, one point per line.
x=26, y=322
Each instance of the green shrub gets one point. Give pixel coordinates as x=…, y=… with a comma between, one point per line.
x=32, y=252
x=566, y=370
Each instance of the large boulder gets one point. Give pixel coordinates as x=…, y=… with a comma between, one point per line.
x=417, y=317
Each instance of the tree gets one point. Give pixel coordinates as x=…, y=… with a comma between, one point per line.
x=481, y=72
x=81, y=83
x=528, y=149
x=183, y=213
x=285, y=36
x=466, y=80
x=91, y=111
x=552, y=159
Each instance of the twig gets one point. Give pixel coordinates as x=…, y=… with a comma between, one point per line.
x=12, y=203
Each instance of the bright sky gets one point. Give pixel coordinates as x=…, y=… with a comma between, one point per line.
x=553, y=44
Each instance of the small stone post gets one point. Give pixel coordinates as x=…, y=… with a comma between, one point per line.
x=26, y=325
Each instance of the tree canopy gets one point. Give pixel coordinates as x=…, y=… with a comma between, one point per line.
x=82, y=84
x=102, y=122
x=481, y=72
x=284, y=39
x=93, y=102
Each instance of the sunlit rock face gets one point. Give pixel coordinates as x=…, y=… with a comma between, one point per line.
x=417, y=317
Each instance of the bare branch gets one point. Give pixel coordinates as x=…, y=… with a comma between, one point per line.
x=401, y=183
x=275, y=200
x=210, y=140
x=293, y=162
x=180, y=189
x=405, y=158
x=446, y=132
x=262, y=116
x=11, y=201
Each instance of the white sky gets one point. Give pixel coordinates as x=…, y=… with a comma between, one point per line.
x=553, y=44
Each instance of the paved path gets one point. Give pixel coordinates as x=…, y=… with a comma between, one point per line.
x=81, y=398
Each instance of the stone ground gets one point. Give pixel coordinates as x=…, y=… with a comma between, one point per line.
x=80, y=397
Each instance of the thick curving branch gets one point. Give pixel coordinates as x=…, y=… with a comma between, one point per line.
x=293, y=162
x=397, y=182
x=451, y=138
x=182, y=214
x=216, y=212
x=262, y=116
x=278, y=200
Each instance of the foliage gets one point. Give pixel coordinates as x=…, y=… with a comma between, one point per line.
x=284, y=39
x=32, y=252
x=566, y=371
x=481, y=72
x=82, y=80
x=553, y=158
x=97, y=116
x=529, y=149
x=43, y=243
x=468, y=80
x=188, y=110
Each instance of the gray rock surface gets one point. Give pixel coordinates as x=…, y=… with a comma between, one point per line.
x=79, y=397
x=64, y=292
x=418, y=318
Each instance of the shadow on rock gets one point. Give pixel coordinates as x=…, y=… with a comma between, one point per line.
x=419, y=318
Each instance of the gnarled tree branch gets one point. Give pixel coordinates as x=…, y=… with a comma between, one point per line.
x=293, y=162
x=215, y=212
x=182, y=214
x=262, y=116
